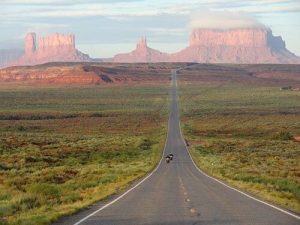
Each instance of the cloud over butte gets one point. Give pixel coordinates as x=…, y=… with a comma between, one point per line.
x=223, y=20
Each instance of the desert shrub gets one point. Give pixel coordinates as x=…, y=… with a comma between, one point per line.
x=146, y=144
x=6, y=209
x=24, y=203
x=57, y=178
x=190, y=130
x=278, y=184
x=4, y=195
x=108, y=179
x=203, y=150
x=4, y=167
x=32, y=219
x=45, y=190
x=71, y=197
x=31, y=159
x=90, y=184
x=284, y=136
x=21, y=128
x=3, y=222
x=49, y=159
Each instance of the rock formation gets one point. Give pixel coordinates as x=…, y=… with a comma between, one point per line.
x=56, y=47
x=56, y=41
x=254, y=45
x=142, y=53
x=244, y=45
x=30, y=43
x=49, y=74
x=86, y=73
x=248, y=45
x=237, y=37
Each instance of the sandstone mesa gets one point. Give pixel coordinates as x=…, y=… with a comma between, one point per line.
x=53, y=48
x=243, y=45
x=249, y=45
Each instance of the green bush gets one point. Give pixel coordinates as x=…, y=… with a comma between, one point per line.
x=45, y=190
x=3, y=222
x=71, y=197
x=146, y=144
x=108, y=179
x=26, y=202
x=6, y=209
x=284, y=136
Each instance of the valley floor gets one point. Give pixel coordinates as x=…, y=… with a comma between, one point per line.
x=63, y=148
x=244, y=130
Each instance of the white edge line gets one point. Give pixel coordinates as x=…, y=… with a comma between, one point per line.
x=226, y=185
x=135, y=186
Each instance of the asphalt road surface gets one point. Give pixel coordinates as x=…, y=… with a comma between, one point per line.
x=178, y=193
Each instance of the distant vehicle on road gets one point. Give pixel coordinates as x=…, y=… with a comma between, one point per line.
x=169, y=157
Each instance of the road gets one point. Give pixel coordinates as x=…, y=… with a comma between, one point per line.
x=178, y=193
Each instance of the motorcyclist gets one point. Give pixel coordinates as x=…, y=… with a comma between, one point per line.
x=168, y=158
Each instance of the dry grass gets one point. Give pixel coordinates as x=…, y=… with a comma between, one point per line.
x=243, y=133
x=65, y=148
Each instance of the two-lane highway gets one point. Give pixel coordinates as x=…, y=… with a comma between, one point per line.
x=178, y=193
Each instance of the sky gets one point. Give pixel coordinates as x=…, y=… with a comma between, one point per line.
x=106, y=27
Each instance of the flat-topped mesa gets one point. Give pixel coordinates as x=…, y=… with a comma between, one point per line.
x=53, y=48
x=245, y=37
x=56, y=41
x=239, y=45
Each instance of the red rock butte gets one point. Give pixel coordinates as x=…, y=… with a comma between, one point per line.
x=236, y=37
x=246, y=45
x=142, y=53
x=52, y=48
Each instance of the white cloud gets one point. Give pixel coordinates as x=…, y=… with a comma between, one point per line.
x=223, y=20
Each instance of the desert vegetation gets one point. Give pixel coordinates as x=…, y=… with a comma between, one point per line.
x=244, y=131
x=63, y=148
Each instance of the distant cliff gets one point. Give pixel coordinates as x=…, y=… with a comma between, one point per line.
x=255, y=45
x=249, y=45
x=52, y=48
x=244, y=45
x=235, y=37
